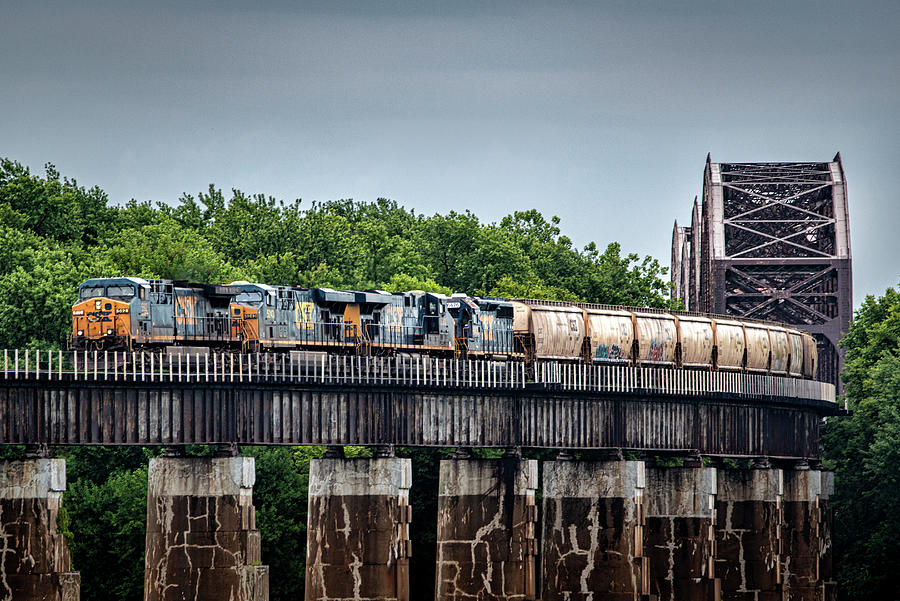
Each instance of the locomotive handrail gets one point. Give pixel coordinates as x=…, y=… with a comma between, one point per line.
x=398, y=370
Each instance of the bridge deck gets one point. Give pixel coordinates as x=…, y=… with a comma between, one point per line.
x=406, y=401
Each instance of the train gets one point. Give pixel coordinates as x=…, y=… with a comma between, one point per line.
x=129, y=313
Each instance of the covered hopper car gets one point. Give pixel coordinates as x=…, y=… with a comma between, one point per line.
x=581, y=332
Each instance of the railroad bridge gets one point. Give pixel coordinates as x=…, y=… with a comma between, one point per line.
x=619, y=526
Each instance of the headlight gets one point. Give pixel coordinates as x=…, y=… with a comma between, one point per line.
x=97, y=305
x=81, y=332
x=109, y=332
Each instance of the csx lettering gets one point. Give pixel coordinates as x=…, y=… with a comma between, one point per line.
x=303, y=313
x=98, y=316
x=487, y=322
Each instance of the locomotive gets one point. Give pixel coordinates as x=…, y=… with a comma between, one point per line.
x=135, y=313
x=128, y=313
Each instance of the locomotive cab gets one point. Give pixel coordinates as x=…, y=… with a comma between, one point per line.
x=249, y=310
x=483, y=326
x=435, y=328
x=467, y=320
x=102, y=316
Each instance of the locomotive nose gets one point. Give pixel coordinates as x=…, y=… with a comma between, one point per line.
x=99, y=321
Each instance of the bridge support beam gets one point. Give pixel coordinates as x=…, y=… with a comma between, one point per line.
x=36, y=564
x=748, y=534
x=679, y=537
x=358, y=531
x=486, y=529
x=593, y=531
x=202, y=541
x=807, y=569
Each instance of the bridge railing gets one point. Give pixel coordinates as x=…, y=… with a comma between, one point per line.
x=681, y=382
x=396, y=370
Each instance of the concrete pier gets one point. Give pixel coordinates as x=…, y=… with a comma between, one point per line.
x=202, y=542
x=679, y=536
x=593, y=522
x=749, y=515
x=35, y=562
x=358, y=545
x=486, y=543
x=807, y=569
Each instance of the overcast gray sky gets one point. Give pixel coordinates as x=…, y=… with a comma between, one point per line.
x=601, y=113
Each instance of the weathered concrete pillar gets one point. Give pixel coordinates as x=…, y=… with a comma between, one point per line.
x=486, y=543
x=34, y=558
x=593, y=531
x=806, y=571
x=358, y=532
x=679, y=538
x=748, y=534
x=202, y=541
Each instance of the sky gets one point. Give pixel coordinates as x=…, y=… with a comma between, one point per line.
x=599, y=112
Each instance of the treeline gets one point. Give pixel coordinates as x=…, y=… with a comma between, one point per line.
x=864, y=452
x=55, y=233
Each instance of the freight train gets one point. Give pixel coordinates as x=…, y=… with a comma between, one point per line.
x=134, y=313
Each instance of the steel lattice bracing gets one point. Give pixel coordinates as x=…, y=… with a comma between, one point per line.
x=773, y=243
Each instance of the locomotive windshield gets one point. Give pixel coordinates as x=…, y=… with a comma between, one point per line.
x=120, y=291
x=248, y=297
x=91, y=292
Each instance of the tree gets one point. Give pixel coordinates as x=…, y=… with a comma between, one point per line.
x=280, y=497
x=51, y=207
x=864, y=452
x=628, y=280
x=108, y=521
x=400, y=282
x=530, y=287
x=37, y=294
x=168, y=250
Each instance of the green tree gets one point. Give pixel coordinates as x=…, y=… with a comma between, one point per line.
x=627, y=280
x=52, y=207
x=280, y=497
x=36, y=295
x=168, y=250
x=864, y=451
x=108, y=523
x=400, y=282
x=530, y=287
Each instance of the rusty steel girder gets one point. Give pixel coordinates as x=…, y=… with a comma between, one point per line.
x=772, y=242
